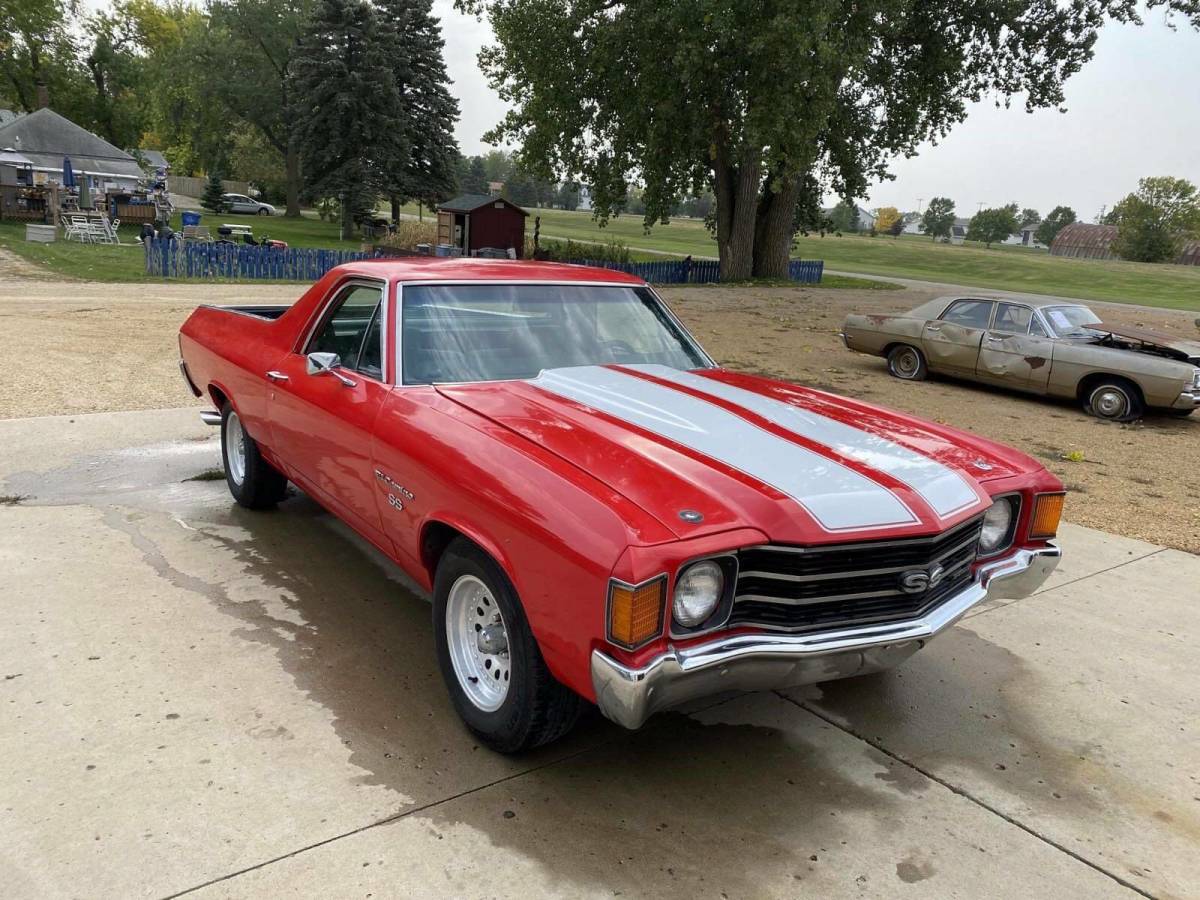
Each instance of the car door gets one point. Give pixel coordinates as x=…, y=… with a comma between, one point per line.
x=321, y=424
x=951, y=342
x=240, y=204
x=1016, y=349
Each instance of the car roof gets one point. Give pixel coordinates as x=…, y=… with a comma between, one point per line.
x=1035, y=302
x=439, y=268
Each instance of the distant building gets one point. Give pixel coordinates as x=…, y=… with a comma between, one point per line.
x=45, y=138
x=475, y=222
x=153, y=158
x=7, y=115
x=495, y=188
x=1026, y=237
x=958, y=231
x=1082, y=241
x=585, y=199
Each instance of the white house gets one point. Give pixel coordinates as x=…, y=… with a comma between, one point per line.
x=1026, y=237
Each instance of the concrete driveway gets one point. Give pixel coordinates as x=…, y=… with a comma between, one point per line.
x=199, y=699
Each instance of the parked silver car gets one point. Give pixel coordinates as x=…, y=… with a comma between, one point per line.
x=1041, y=346
x=240, y=203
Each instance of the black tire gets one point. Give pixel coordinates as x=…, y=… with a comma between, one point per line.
x=1114, y=399
x=536, y=709
x=263, y=212
x=907, y=362
x=260, y=485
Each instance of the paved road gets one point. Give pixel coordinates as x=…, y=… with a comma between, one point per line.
x=199, y=699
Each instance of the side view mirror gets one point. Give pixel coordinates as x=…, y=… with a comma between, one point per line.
x=327, y=364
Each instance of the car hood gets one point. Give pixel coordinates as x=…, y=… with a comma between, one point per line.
x=1175, y=347
x=712, y=450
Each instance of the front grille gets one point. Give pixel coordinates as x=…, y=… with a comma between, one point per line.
x=804, y=589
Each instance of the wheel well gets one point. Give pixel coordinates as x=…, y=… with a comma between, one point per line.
x=894, y=344
x=1089, y=383
x=218, y=397
x=434, y=541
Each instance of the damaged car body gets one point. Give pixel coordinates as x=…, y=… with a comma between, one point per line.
x=1043, y=347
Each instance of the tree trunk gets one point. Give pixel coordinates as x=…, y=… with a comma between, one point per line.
x=773, y=231
x=347, y=226
x=737, y=207
x=292, y=161
x=395, y=198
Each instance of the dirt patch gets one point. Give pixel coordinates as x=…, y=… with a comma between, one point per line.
x=85, y=347
x=1136, y=480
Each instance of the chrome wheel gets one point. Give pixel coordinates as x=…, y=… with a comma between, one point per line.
x=1110, y=402
x=235, y=448
x=478, y=643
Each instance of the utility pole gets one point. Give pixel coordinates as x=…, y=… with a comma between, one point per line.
x=920, y=202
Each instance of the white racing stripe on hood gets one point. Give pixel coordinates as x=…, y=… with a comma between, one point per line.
x=945, y=490
x=838, y=498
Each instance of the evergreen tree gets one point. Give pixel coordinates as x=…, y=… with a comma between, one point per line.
x=213, y=198
x=425, y=168
x=349, y=123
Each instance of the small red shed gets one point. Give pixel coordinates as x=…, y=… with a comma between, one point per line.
x=476, y=221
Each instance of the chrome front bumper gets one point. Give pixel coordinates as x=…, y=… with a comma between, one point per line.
x=757, y=662
x=1187, y=400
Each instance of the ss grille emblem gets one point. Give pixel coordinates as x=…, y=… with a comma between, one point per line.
x=917, y=581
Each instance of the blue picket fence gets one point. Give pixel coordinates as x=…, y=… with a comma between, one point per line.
x=704, y=271
x=177, y=259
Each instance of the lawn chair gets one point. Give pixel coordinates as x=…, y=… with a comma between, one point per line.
x=98, y=232
x=197, y=233
x=75, y=227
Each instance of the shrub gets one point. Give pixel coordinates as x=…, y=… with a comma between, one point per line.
x=409, y=233
x=562, y=251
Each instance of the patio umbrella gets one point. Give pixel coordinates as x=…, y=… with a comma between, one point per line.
x=68, y=173
x=85, y=196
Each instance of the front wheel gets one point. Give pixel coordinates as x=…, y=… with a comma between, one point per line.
x=1116, y=400
x=263, y=212
x=498, y=681
x=254, y=482
x=907, y=362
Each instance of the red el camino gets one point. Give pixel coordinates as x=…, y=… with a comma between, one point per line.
x=600, y=511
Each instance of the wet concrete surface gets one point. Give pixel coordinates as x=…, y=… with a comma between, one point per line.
x=197, y=697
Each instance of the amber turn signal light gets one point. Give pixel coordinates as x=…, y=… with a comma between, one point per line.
x=1047, y=511
x=635, y=612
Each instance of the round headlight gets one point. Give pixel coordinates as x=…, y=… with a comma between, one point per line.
x=697, y=593
x=997, y=522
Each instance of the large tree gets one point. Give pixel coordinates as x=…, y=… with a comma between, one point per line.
x=248, y=58
x=1157, y=219
x=1058, y=219
x=938, y=218
x=751, y=97
x=425, y=168
x=991, y=225
x=348, y=122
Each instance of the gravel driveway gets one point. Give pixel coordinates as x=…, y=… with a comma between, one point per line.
x=88, y=347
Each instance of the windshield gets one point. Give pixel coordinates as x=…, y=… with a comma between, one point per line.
x=1071, y=321
x=495, y=332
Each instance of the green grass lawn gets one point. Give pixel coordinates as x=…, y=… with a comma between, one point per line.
x=1010, y=268
x=126, y=261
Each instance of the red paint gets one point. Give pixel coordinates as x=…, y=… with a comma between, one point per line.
x=561, y=496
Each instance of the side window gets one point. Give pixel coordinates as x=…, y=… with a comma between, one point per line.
x=1037, y=328
x=969, y=313
x=1012, y=318
x=350, y=328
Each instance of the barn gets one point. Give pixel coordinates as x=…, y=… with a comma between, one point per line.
x=1083, y=241
x=475, y=222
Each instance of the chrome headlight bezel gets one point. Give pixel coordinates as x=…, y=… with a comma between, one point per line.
x=719, y=614
x=1196, y=380
x=1004, y=504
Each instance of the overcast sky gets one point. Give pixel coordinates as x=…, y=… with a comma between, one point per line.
x=1133, y=111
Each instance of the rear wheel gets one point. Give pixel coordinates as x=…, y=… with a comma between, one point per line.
x=254, y=482
x=498, y=681
x=1114, y=399
x=907, y=362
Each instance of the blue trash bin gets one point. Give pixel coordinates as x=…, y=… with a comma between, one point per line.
x=191, y=218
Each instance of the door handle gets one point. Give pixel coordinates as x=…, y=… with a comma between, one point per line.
x=276, y=376
x=933, y=327
x=993, y=339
